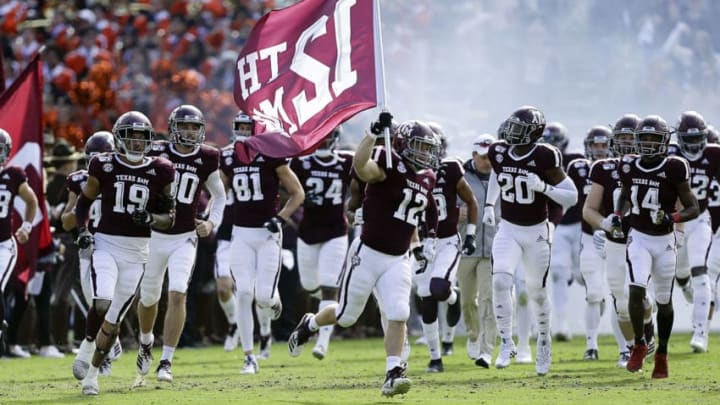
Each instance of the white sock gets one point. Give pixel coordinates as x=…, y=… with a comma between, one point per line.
x=92, y=372
x=430, y=330
x=701, y=301
x=560, y=299
x=229, y=309
x=447, y=333
x=168, y=352
x=524, y=325
x=264, y=316
x=245, y=321
x=391, y=362
x=313, y=325
x=503, y=309
x=146, y=338
x=87, y=348
x=592, y=323
x=617, y=332
x=325, y=331
x=541, y=308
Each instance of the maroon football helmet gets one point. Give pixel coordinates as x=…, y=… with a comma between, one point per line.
x=556, y=135
x=187, y=114
x=99, y=142
x=652, y=136
x=440, y=133
x=597, y=142
x=692, y=133
x=5, y=146
x=327, y=147
x=242, y=127
x=524, y=126
x=713, y=136
x=623, y=139
x=133, y=134
x=417, y=144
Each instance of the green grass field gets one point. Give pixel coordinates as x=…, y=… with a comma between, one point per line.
x=354, y=371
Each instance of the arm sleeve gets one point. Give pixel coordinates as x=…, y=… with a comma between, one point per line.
x=493, y=190
x=217, y=197
x=564, y=193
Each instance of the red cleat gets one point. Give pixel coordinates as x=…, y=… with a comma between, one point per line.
x=636, y=357
x=661, y=366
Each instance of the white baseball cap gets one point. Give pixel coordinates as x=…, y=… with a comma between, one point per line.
x=482, y=144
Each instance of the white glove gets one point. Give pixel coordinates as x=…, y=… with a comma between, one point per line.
x=606, y=223
x=34, y=286
x=358, y=217
x=679, y=238
x=288, y=260
x=599, y=240
x=659, y=217
x=489, y=215
x=429, y=248
x=535, y=183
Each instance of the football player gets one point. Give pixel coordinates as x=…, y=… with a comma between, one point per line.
x=598, y=212
x=257, y=241
x=322, y=234
x=436, y=277
x=137, y=195
x=174, y=249
x=526, y=174
x=97, y=143
x=652, y=183
x=704, y=162
x=13, y=183
x=565, y=253
x=592, y=269
x=713, y=261
x=395, y=199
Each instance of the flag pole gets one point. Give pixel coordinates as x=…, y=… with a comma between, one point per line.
x=380, y=77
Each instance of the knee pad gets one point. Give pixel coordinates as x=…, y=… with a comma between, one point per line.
x=621, y=308
x=150, y=294
x=440, y=288
x=429, y=310
x=345, y=319
x=593, y=293
x=502, y=282
x=537, y=295
x=399, y=313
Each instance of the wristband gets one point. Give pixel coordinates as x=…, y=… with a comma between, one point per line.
x=470, y=229
x=675, y=217
x=26, y=226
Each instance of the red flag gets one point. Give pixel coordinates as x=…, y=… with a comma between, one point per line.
x=21, y=116
x=304, y=70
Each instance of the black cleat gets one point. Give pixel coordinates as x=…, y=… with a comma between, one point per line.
x=590, y=354
x=435, y=366
x=447, y=348
x=396, y=382
x=300, y=336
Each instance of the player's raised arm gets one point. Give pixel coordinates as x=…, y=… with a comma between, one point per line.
x=368, y=169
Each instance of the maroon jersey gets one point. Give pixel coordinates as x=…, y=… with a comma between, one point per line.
x=191, y=172
x=651, y=189
x=75, y=182
x=714, y=204
x=327, y=183
x=256, y=187
x=578, y=171
x=393, y=208
x=573, y=215
x=125, y=188
x=604, y=172
x=445, y=194
x=11, y=178
x=519, y=204
x=702, y=170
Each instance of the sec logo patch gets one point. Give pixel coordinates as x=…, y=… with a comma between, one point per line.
x=107, y=167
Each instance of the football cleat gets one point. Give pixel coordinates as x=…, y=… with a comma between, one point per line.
x=319, y=352
x=623, y=359
x=50, y=352
x=563, y=337
x=637, y=356
x=453, y=310
x=250, y=366
x=435, y=366
x=651, y=349
x=396, y=382
x=105, y=368
x=484, y=360
x=699, y=341
x=164, y=371
x=524, y=355
x=231, y=340
x=447, y=349
x=90, y=385
x=265, y=343
x=18, y=352
x=115, y=351
x=661, y=366
x=144, y=359
x=543, y=356
x=507, y=352
x=300, y=336
x=590, y=354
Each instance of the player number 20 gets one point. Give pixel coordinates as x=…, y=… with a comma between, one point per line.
x=514, y=189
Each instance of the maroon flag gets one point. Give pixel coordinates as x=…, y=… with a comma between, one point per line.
x=21, y=116
x=304, y=70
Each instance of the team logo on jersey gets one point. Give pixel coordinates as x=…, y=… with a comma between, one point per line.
x=338, y=167
x=532, y=163
x=441, y=181
x=662, y=174
x=499, y=158
x=306, y=165
x=500, y=149
x=228, y=161
x=401, y=168
x=582, y=172
x=151, y=172
x=615, y=175
x=626, y=168
x=259, y=159
x=107, y=167
x=705, y=161
x=6, y=177
x=198, y=161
